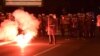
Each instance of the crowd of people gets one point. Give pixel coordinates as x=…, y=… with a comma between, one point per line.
x=76, y=25
x=71, y=25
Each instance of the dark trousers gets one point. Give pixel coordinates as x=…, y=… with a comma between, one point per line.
x=97, y=32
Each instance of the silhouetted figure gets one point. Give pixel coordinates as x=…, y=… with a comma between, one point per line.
x=51, y=30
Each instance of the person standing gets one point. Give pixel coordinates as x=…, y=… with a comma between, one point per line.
x=51, y=29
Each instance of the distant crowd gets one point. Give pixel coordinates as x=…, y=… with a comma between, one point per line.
x=70, y=24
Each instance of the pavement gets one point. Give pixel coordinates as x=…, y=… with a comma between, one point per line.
x=64, y=47
x=35, y=47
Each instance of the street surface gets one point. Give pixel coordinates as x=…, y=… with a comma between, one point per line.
x=63, y=47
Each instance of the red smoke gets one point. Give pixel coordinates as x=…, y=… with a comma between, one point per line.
x=28, y=23
x=8, y=30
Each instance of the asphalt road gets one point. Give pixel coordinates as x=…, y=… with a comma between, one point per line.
x=72, y=47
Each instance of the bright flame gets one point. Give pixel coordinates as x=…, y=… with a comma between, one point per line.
x=20, y=41
x=23, y=40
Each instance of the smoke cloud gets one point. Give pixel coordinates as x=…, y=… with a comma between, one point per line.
x=27, y=22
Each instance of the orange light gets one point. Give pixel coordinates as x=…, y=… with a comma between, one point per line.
x=23, y=40
x=20, y=41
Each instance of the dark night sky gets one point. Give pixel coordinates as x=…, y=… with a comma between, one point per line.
x=72, y=4
x=68, y=3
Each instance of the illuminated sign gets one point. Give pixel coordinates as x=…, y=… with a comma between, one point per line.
x=23, y=3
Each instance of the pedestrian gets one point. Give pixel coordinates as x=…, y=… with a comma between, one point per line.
x=51, y=29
